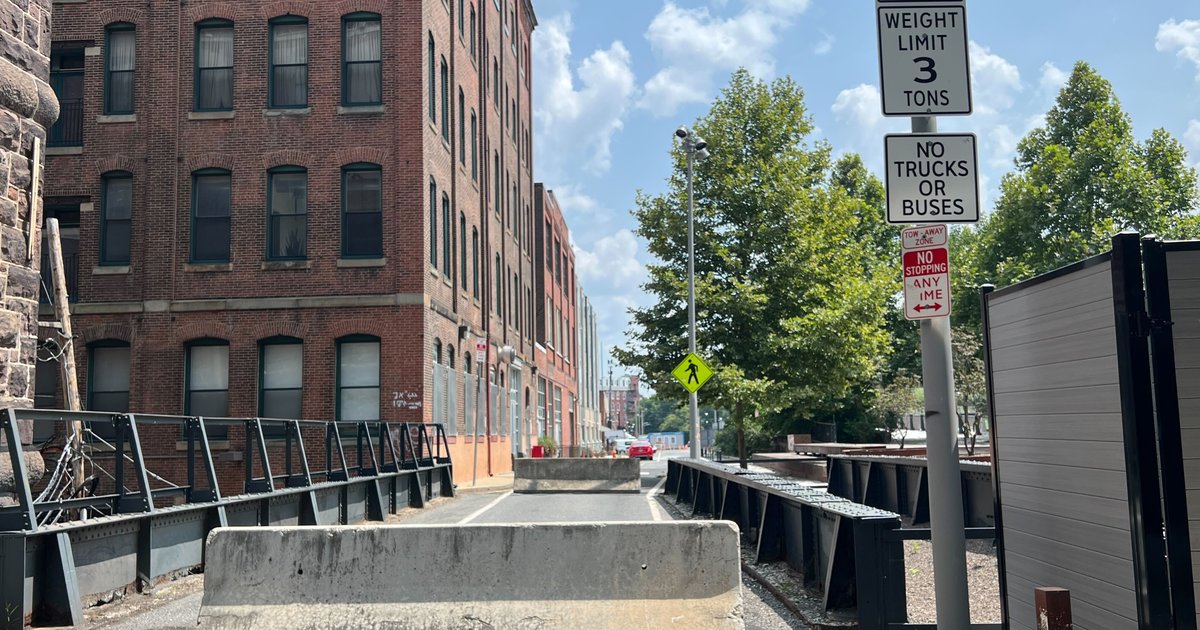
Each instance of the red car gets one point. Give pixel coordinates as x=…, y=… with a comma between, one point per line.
x=641, y=450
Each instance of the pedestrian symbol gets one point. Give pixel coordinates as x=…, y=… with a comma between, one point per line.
x=692, y=372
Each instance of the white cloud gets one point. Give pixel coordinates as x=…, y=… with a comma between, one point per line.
x=1192, y=135
x=1053, y=78
x=859, y=105
x=994, y=80
x=825, y=45
x=574, y=201
x=1003, y=144
x=694, y=45
x=1181, y=38
x=576, y=124
x=611, y=261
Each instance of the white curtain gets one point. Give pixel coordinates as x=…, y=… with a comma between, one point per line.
x=364, y=50
x=215, y=60
x=289, y=55
x=359, y=376
x=121, y=60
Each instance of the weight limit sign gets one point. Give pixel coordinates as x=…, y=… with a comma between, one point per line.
x=923, y=58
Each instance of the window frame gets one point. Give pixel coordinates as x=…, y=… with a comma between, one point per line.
x=219, y=432
x=474, y=146
x=474, y=31
x=119, y=27
x=102, y=344
x=445, y=75
x=433, y=219
x=432, y=46
x=447, y=237
x=346, y=170
x=211, y=172
x=285, y=20
x=475, y=262
x=105, y=258
x=462, y=249
x=356, y=338
x=213, y=23
x=360, y=16
x=462, y=127
x=279, y=340
x=270, y=228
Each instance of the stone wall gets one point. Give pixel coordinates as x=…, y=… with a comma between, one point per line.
x=27, y=109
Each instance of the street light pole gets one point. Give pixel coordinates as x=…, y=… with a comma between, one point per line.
x=693, y=404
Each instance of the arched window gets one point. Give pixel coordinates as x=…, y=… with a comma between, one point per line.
x=437, y=350
x=362, y=59
x=362, y=210
x=467, y=362
x=498, y=305
x=206, y=386
x=474, y=144
x=447, y=244
x=211, y=207
x=116, y=210
x=358, y=378
x=462, y=128
x=475, y=263
x=445, y=101
x=450, y=356
x=287, y=213
x=474, y=29
x=214, y=66
x=432, y=80
x=119, y=60
x=462, y=251
x=433, y=218
x=287, y=85
x=280, y=378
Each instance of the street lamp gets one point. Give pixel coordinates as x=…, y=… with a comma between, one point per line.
x=696, y=149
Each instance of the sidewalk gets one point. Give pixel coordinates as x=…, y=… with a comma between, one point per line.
x=500, y=482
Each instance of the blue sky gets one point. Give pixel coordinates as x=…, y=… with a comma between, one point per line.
x=614, y=78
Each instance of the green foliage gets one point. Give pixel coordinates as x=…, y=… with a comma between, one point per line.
x=548, y=444
x=663, y=415
x=791, y=287
x=895, y=399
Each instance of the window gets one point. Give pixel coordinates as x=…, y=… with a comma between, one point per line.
x=358, y=378
x=498, y=304
x=281, y=369
x=437, y=351
x=495, y=82
x=108, y=376
x=210, y=215
x=496, y=181
x=362, y=211
x=462, y=250
x=460, y=18
x=66, y=77
x=474, y=30
x=120, y=52
x=475, y=262
x=549, y=247
x=288, y=84
x=432, y=82
x=207, y=379
x=462, y=128
x=447, y=245
x=433, y=240
x=507, y=117
x=362, y=59
x=214, y=65
x=474, y=144
x=445, y=101
x=287, y=213
x=116, y=205
x=514, y=119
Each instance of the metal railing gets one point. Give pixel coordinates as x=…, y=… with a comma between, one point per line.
x=900, y=484
x=67, y=131
x=143, y=528
x=70, y=270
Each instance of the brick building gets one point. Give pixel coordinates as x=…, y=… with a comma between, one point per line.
x=622, y=398
x=557, y=407
x=302, y=209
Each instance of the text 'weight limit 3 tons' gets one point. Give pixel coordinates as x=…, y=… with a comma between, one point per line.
x=923, y=58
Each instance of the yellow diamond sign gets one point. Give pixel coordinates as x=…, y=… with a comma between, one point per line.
x=692, y=372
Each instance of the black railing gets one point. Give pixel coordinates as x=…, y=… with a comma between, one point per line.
x=67, y=131
x=71, y=269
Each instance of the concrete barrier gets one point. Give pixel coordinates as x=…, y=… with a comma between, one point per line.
x=683, y=574
x=576, y=475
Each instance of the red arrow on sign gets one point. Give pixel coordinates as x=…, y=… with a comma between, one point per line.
x=928, y=307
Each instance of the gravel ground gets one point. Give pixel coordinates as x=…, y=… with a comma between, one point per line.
x=983, y=582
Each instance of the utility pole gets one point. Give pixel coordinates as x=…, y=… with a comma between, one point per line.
x=695, y=148
x=62, y=310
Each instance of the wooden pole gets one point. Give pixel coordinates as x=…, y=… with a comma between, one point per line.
x=35, y=200
x=1053, y=607
x=62, y=310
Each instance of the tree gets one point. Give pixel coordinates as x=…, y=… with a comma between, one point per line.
x=790, y=303
x=896, y=399
x=663, y=415
x=970, y=386
x=1079, y=179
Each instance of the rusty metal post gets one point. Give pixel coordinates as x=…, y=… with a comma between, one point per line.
x=1053, y=608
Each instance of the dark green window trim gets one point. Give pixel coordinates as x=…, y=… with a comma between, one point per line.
x=217, y=432
x=200, y=27
x=274, y=430
x=103, y=430
x=462, y=250
x=474, y=146
x=108, y=224
x=445, y=101
x=288, y=20
x=338, y=371
x=213, y=220
x=447, y=242
x=474, y=30
x=462, y=128
x=377, y=250
x=432, y=80
x=273, y=231
x=361, y=16
x=433, y=218
x=109, y=73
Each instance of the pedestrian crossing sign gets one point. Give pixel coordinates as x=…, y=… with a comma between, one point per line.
x=692, y=372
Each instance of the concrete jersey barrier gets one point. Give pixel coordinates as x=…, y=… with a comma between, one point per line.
x=682, y=574
x=532, y=475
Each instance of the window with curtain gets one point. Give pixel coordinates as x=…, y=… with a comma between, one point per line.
x=116, y=209
x=498, y=306
x=362, y=59
x=207, y=379
x=362, y=211
x=433, y=240
x=445, y=101
x=289, y=62
x=474, y=30
x=447, y=247
x=358, y=378
x=475, y=262
x=211, y=201
x=287, y=214
x=462, y=128
x=214, y=65
x=108, y=376
x=462, y=250
x=120, y=60
x=496, y=181
x=432, y=80
x=474, y=143
x=280, y=378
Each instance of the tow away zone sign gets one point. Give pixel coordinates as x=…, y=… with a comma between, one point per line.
x=926, y=258
x=932, y=178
